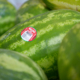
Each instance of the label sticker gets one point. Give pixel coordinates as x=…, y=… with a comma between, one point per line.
x=28, y=34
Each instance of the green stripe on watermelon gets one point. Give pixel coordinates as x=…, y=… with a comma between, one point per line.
x=51, y=28
x=69, y=55
x=7, y=16
x=63, y=4
x=15, y=66
x=30, y=9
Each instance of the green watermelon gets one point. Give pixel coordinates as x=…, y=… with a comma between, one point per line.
x=51, y=27
x=7, y=16
x=63, y=4
x=69, y=55
x=15, y=66
x=30, y=9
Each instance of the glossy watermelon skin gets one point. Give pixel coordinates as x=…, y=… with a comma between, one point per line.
x=51, y=27
x=63, y=4
x=15, y=66
x=69, y=55
x=7, y=16
x=30, y=9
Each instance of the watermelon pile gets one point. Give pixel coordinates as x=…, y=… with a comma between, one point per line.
x=40, y=40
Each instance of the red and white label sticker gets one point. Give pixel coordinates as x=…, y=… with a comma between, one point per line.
x=28, y=34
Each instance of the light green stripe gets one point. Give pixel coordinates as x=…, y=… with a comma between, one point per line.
x=16, y=44
x=44, y=30
x=27, y=15
x=9, y=37
x=7, y=19
x=49, y=60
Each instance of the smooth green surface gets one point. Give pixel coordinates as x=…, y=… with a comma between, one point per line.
x=51, y=27
x=7, y=16
x=63, y=4
x=30, y=9
x=69, y=55
x=15, y=66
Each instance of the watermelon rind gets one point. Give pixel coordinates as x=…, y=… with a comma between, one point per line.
x=69, y=55
x=16, y=66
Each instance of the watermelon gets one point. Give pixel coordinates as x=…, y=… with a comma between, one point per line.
x=69, y=55
x=16, y=66
x=51, y=27
x=63, y=4
x=30, y=9
x=7, y=16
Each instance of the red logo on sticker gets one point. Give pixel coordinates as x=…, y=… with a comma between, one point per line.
x=28, y=34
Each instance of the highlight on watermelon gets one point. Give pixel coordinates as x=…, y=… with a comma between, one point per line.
x=39, y=39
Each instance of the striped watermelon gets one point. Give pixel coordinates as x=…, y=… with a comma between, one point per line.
x=69, y=55
x=63, y=4
x=15, y=66
x=7, y=16
x=30, y=9
x=51, y=27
